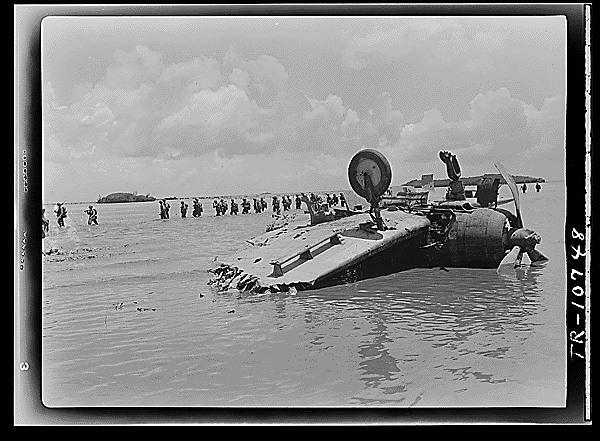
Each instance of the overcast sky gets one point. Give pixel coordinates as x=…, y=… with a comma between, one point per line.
x=191, y=106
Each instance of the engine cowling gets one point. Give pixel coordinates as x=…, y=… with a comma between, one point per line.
x=476, y=239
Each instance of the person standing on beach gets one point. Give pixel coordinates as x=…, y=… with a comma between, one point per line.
x=524, y=188
x=61, y=214
x=263, y=204
x=217, y=208
x=183, y=209
x=92, y=215
x=256, y=205
x=538, y=187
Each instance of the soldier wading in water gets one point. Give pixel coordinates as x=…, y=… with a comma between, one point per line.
x=61, y=214
x=92, y=215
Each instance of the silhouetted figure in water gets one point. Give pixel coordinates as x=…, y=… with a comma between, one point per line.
x=334, y=199
x=92, y=215
x=538, y=187
x=343, y=201
x=164, y=209
x=217, y=207
x=256, y=205
x=234, y=208
x=285, y=203
x=524, y=188
x=263, y=204
x=61, y=214
x=197, y=211
x=45, y=224
x=275, y=205
x=183, y=208
x=298, y=202
x=224, y=207
x=245, y=206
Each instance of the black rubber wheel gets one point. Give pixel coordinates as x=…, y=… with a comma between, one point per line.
x=374, y=164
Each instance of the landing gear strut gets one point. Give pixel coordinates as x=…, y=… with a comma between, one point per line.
x=370, y=175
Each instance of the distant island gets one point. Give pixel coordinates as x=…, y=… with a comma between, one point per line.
x=125, y=197
x=474, y=180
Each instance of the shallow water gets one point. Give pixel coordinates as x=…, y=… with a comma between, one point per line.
x=128, y=319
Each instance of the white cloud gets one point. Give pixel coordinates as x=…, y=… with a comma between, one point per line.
x=211, y=118
x=240, y=78
x=141, y=65
x=206, y=69
x=500, y=127
x=428, y=41
x=145, y=106
x=266, y=76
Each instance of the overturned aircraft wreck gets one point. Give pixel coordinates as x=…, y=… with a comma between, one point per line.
x=344, y=246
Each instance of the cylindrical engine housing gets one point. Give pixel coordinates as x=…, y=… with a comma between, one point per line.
x=476, y=239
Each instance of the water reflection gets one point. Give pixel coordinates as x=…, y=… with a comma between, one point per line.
x=377, y=364
x=443, y=318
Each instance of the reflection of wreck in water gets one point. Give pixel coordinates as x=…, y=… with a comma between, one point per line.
x=341, y=246
x=389, y=331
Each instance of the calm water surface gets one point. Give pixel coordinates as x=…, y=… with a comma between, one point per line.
x=128, y=319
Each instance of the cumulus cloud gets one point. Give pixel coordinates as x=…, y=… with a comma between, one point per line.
x=500, y=127
x=433, y=41
x=328, y=126
x=191, y=76
x=206, y=119
x=240, y=78
x=132, y=68
x=145, y=106
x=211, y=118
x=265, y=76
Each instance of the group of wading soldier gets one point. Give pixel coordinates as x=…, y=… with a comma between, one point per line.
x=278, y=204
x=61, y=214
